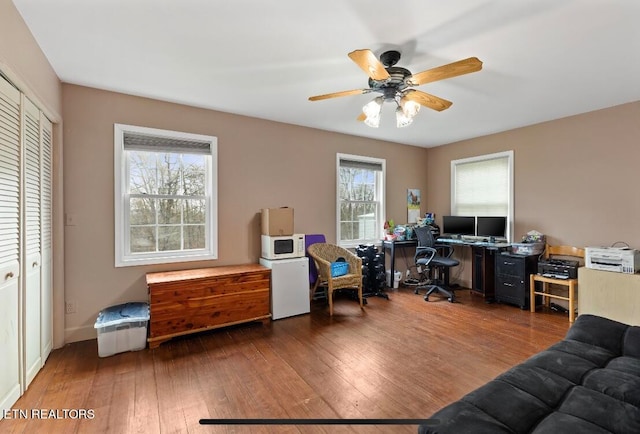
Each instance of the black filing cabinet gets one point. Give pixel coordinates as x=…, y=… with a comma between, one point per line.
x=512, y=278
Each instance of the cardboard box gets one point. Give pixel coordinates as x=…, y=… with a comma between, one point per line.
x=277, y=221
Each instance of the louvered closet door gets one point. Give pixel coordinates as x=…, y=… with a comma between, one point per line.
x=46, y=215
x=31, y=231
x=9, y=243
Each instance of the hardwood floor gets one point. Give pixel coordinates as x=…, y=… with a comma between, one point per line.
x=402, y=358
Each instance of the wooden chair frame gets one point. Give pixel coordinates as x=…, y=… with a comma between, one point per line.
x=571, y=284
x=324, y=254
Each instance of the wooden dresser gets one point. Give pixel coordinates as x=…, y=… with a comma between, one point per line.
x=189, y=301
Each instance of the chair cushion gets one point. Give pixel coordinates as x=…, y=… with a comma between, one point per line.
x=444, y=262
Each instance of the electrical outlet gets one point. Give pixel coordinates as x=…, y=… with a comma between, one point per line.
x=71, y=307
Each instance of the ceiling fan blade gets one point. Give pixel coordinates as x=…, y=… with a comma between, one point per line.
x=427, y=100
x=370, y=64
x=337, y=94
x=466, y=66
x=362, y=117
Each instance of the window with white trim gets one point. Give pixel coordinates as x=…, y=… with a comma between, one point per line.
x=360, y=199
x=165, y=196
x=483, y=186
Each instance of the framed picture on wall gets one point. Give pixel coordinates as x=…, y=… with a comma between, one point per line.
x=413, y=205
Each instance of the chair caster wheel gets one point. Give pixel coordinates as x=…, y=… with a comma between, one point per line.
x=426, y=298
x=450, y=299
x=415, y=291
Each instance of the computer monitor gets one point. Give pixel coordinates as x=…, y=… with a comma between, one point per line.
x=458, y=225
x=491, y=227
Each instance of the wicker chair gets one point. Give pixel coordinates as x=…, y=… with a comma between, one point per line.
x=324, y=254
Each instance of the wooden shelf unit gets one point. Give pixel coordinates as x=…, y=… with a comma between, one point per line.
x=190, y=301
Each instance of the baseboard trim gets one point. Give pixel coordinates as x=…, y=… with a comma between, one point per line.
x=76, y=334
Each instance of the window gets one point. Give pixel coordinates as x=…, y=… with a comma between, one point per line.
x=360, y=199
x=165, y=196
x=483, y=186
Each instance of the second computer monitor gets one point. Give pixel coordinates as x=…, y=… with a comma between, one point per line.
x=458, y=225
x=492, y=227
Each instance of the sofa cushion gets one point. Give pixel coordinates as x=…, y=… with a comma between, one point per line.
x=566, y=365
x=598, y=331
x=632, y=342
x=463, y=418
x=557, y=423
x=544, y=385
x=617, y=384
x=516, y=408
x=587, y=383
x=629, y=365
x=605, y=411
x=593, y=353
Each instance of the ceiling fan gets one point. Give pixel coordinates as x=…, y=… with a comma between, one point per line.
x=394, y=84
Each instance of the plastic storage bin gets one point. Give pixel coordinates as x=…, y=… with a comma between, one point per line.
x=122, y=328
x=527, y=248
x=339, y=268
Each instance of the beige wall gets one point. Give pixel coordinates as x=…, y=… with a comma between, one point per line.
x=576, y=179
x=24, y=64
x=261, y=164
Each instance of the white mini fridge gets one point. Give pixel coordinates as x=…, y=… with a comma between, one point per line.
x=289, y=286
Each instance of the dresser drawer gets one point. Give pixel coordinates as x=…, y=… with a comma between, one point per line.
x=510, y=266
x=509, y=285
x=513, y=290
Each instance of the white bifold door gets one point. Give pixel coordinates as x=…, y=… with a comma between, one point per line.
x=10, y=186
x=26, y=321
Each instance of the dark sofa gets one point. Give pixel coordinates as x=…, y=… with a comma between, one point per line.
x=587, y=383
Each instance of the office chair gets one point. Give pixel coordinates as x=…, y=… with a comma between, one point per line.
x=430, y=256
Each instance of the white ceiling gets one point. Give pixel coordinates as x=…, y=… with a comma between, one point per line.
x=543, y=59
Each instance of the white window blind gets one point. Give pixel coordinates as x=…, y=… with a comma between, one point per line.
x=483, y=186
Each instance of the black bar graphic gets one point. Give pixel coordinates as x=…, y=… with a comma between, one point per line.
x=317, y=421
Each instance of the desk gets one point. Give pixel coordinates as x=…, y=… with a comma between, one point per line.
x=482, y=261
x=391, y=246
x=482, y=264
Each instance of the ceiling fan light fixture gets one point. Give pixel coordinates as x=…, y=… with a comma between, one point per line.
x=402, y=119
x=372, y=110
x=373, y=121
x=373, y=107
x=409, y=107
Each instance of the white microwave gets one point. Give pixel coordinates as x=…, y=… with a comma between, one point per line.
x=283, y=247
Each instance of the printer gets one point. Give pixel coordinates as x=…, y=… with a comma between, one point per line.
x=618, y=259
